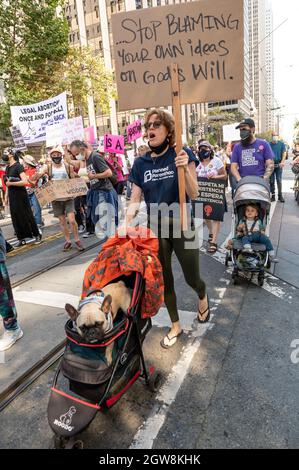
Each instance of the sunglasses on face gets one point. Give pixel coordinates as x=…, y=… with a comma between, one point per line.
x=155, y=125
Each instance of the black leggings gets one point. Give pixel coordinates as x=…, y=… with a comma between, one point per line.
x=188, y=258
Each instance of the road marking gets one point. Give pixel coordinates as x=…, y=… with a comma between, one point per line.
x=45, y=298
x=149, y=430
x=30, y=245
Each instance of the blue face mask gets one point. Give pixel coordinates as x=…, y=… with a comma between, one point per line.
x=204, y=154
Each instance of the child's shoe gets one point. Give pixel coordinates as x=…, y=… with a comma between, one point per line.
x=247, y=248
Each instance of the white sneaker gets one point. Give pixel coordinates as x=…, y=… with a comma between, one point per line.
x=87, y=235
x=81, y=229
x=9, y=338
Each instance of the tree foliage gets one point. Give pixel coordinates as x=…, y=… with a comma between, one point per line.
x=217, y=119
x=36, y=61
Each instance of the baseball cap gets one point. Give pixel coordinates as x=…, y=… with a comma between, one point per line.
x=246, y=122
x=57, y=149
x=29, y=160
x=205, y=143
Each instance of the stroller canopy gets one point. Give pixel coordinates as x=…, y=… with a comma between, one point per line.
x=252, y=188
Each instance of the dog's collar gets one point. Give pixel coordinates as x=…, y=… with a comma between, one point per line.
x=97, y=298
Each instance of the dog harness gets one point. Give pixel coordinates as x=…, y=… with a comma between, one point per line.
x=98, y=299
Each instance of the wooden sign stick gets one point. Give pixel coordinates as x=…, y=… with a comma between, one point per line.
x=176, y=107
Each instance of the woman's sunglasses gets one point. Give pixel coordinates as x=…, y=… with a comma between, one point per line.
x=155, y=125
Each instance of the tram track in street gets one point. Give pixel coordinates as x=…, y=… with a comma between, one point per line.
x=9, y=394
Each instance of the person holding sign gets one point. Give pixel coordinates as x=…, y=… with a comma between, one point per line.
x=212, y=168
x=155, y=175
x=59, y=170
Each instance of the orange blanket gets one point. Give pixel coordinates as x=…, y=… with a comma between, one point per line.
x=122, y=256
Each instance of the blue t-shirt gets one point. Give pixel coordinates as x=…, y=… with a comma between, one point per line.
x=157, y=177
x=251, y=159
x=278, y=149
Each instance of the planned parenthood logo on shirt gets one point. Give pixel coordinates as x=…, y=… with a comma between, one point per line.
x=248, y=158
x=158, y=174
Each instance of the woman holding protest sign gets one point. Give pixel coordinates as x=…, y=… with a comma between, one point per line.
x=211, y=168
x=155, y=175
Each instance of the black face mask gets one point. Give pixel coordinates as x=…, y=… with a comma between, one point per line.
x=57, y=160
x=5, y=158
x=160, y=148
x=204, y=154
x=245, y=136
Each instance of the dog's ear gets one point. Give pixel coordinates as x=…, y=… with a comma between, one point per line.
x=106, y=305
x=72, y=311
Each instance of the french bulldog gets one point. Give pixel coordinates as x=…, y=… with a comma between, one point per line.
x=96, y=313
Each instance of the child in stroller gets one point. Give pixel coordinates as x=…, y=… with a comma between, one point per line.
x=250, y=250
x=251, y=230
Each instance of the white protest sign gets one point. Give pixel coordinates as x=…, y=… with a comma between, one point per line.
x=101, y=144
x=131, y=156
x=230, y=133
x=34, y=118
x=65, y=133
x=18, y=138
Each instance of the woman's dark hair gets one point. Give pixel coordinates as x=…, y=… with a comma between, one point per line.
x=79, y=144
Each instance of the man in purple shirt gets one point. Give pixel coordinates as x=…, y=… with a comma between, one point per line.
x=252, y=156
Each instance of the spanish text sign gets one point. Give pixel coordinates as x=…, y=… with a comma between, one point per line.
x=204, y=38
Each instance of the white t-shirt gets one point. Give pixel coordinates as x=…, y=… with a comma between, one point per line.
x=211, y=169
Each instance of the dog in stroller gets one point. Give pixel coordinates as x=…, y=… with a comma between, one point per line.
x=250, y=262
x=91, y=382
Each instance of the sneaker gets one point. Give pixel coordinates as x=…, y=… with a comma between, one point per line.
x=21, y=243
x=81, y=229
x=9, y=338
x=67, y=246
x=281, y=198
x=273, y=198
x=79, y=245
x=88, y=234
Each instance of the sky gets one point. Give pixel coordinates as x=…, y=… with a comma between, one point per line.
x=286, y=63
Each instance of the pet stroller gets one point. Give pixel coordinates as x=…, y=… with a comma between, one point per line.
x=91, y=384
x=250, y=189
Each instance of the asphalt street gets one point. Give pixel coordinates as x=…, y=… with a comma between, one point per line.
x=231, y=383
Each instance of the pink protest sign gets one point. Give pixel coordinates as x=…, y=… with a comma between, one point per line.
x=89, y=135
x=114, y=143
x=134, y=131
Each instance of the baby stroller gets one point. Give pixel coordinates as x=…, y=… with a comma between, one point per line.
x=89, y=383
x=250, y=189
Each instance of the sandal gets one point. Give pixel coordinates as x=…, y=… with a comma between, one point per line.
x=210, y=237
x=212, y=248
x=167, y=346
x=204, y=312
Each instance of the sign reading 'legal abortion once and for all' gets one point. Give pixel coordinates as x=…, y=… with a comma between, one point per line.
x=204, y=38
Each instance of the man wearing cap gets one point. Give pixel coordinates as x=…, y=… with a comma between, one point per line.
x=252, y=156
x=279, y=150
x=30, y=167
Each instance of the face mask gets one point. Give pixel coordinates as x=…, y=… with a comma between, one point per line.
x=275, y=138
x=57, y=159
x=204, y=154
x=80, y=157
x=5, y=158
x=160, y=148
x=245, y=136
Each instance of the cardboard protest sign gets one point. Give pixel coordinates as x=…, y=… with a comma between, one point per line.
x=114, y=143
x=34, y=118
x=134, y=131
x=89, y=135
x=65, y=133
x=17, y=138
x=61, y=189
x=212, y=196
x=205, y=39
x=230, y=133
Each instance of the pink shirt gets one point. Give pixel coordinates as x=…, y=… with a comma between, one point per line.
x=120, y=175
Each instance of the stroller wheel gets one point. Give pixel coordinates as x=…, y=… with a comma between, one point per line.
x=227, y=259
x=78, y=445
x=235, y=277
x=59, y=442
x=261, y=279
x=154, y=381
